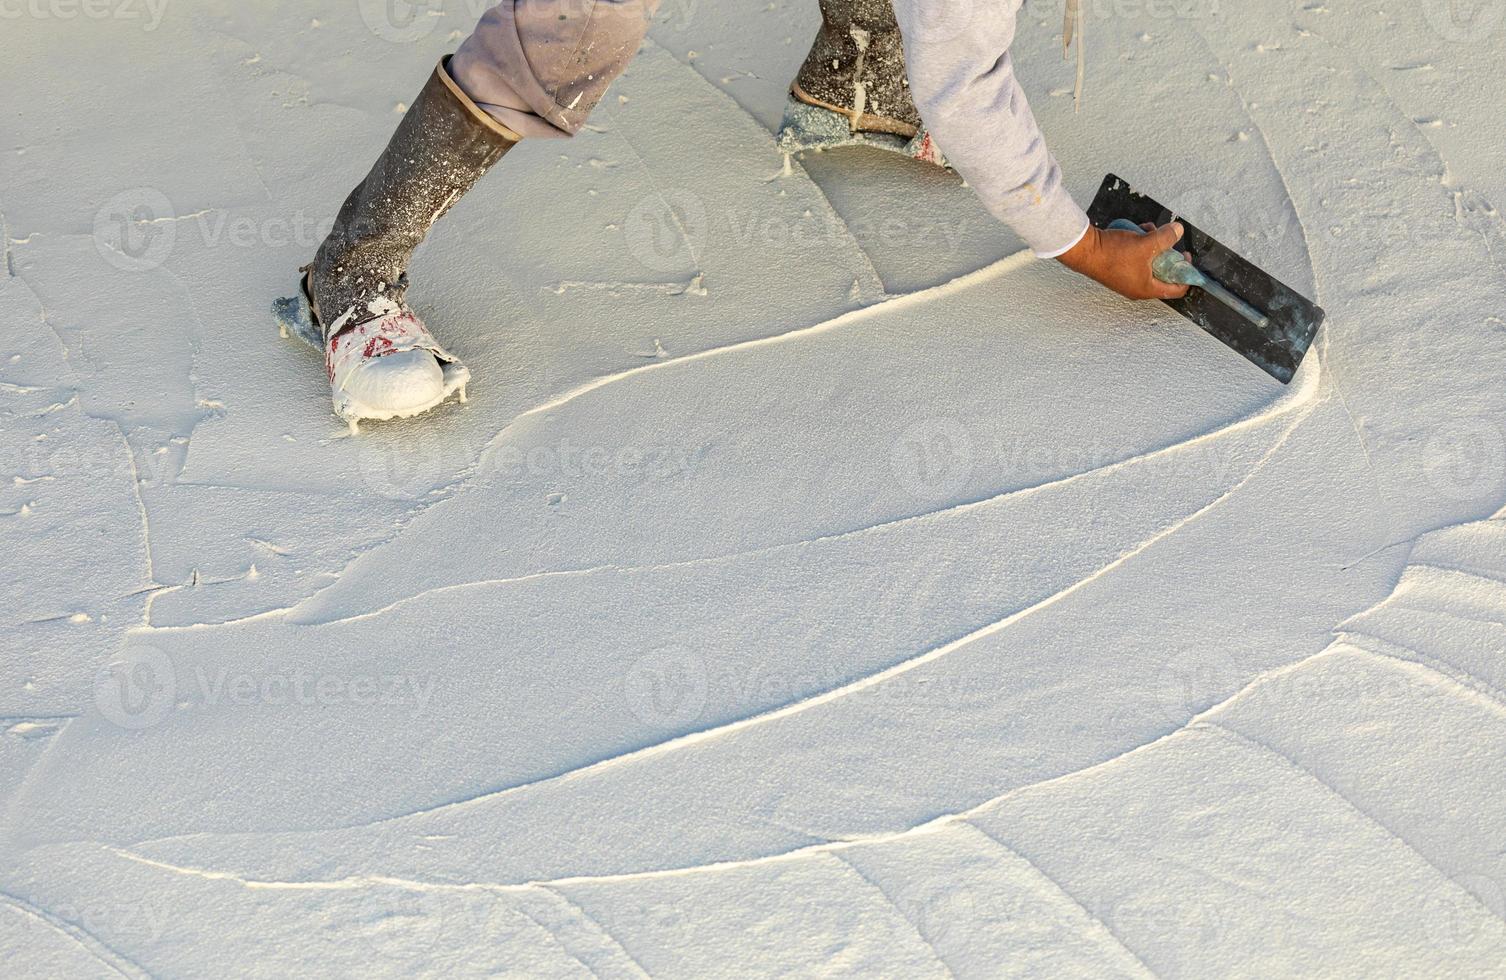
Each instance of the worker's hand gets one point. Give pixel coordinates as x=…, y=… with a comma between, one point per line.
x=1121, y=260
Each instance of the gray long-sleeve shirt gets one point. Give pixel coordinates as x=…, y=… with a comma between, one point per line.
x=962, y=79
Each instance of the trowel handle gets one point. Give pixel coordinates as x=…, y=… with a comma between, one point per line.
x=1172, y=267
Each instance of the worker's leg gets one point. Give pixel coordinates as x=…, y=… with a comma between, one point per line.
x=540, y=66
x=532, y=68
x=852, y=89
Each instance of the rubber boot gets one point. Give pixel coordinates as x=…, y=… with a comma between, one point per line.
x=443, y=145
x=381, y=359
x=852, y=89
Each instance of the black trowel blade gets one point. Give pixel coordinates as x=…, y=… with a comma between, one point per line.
x=1277, y=348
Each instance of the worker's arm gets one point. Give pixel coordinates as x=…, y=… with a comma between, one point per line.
x=962, y=80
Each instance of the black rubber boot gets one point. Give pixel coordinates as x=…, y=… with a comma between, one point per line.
x=857, y=67
x=440, y=149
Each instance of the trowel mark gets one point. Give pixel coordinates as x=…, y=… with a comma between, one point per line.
x=10, y=264
x=695, y=286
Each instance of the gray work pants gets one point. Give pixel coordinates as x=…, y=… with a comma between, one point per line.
x=540, y=66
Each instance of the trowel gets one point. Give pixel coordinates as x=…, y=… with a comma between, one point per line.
x=1258, y=316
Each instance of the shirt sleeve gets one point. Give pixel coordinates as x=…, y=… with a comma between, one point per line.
x=962, y=80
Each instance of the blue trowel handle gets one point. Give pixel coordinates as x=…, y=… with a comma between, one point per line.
x=1172, y=266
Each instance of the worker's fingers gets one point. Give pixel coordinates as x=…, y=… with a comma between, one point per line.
x=1168, y=290
x=1166, y=236
x=1147, y=226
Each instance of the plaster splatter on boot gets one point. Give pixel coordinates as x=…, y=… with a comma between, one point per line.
x=860, y=38
x=387, y=366
x=813, y=128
